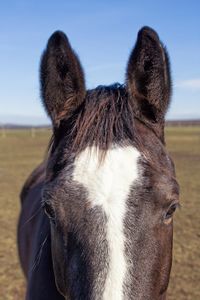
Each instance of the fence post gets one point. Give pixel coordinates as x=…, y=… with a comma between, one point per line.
x=32, y=132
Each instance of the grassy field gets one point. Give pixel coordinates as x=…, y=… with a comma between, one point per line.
x=20, y=153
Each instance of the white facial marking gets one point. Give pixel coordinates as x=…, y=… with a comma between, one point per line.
x=108, y=184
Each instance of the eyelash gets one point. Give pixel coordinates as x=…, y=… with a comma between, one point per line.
x=48, y=210
x=171, y=210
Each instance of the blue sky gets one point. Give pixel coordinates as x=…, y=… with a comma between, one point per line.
x=103, y=34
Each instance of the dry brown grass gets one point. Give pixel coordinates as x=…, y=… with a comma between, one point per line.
x=20, y=153
x=184, y=145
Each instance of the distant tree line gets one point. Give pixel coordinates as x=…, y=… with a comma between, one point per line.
x=183, y=123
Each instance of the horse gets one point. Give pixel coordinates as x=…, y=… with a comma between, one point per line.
x=96, y=220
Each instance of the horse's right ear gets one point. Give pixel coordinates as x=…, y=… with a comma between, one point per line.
x=62, y=78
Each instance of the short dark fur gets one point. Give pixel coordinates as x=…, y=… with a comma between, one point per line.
x=71, y=237
x=148, y=79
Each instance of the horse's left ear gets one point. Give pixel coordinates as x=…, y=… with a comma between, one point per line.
x=148, y=79
x=62, y=78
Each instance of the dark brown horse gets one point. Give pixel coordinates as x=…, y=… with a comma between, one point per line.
x=96, y=220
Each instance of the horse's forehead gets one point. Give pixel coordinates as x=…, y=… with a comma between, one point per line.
x=119, y=171
x=110, y=178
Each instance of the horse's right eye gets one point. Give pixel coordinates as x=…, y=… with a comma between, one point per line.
x=48, y=209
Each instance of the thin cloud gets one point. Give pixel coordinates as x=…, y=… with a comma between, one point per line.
x=193, y=84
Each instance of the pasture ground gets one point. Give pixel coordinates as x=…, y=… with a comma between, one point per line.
x=20, y=152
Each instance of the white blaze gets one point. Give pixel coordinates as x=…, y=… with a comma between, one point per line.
x=108, y=184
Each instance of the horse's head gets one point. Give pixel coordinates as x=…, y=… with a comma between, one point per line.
x=110, y=190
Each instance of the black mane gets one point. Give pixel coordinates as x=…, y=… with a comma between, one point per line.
x=105, y=117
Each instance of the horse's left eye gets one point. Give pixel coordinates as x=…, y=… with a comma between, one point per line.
x=169, y=214
x=170, y=211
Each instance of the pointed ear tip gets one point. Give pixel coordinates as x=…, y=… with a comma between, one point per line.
x=147, y=31
x=57, y=37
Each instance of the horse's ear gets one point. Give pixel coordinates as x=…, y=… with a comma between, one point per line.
x=148, y=78
x=62, y=78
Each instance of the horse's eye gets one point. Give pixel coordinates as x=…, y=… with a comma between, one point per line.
x=48, y=209
x=169, y=214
